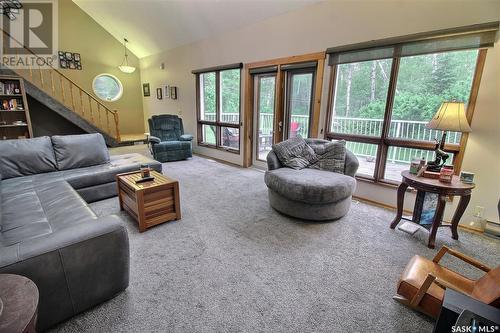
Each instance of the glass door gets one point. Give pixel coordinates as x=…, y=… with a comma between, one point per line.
x=298, y=102
x=265, y=114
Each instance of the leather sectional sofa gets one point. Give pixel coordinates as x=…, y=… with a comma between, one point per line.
x=48, y=232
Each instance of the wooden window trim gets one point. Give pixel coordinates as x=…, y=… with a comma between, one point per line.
x=384, y=141
x=217, y=123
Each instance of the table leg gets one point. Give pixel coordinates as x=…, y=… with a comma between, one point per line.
x=438, y=217
x=462, y=205
x=401, y=198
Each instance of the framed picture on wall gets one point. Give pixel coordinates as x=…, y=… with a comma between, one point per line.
x=145, y=90
x=70, y=60
x=159, y=93
x=173, y=92
x=167, y=91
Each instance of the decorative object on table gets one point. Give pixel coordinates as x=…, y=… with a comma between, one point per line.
x=125, y=67
x=446, y=174
x=167, y=91
x=430, y=174
x=173, y=92
x=149, y=203
x=459, y=310
x=145, y=171
x=159, y=93
x=70, y=60
x=467, y=177
x=416, y=165
x=423, y=282
x=443, y=190
x=18, y=304
x=450, y=117
x=145, y=90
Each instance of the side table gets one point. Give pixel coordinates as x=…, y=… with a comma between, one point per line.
x=18, y=304
x=421, y=184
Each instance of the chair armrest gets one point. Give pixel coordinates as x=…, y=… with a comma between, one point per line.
x=461, y=256
x=272, y=161
x=153, y=139
x=351, y=164
x=186, y=137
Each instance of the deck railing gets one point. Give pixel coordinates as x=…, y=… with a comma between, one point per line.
x=399, y=129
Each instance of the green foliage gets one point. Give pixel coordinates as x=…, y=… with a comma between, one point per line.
x=423, y=83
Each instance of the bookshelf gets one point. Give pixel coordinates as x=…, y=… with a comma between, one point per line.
x=15, y=120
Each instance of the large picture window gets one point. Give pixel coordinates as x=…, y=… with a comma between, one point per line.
x=381, y=99
x=218, y=103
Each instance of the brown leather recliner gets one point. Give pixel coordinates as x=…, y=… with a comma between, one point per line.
x=423, y=283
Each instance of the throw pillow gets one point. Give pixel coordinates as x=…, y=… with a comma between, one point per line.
x=295, y=153
x=78, y=151
x=331, y=156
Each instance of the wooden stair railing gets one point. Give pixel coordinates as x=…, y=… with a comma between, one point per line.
x=69, y=93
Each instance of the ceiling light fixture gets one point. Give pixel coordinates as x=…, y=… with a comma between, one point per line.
x=124, y=67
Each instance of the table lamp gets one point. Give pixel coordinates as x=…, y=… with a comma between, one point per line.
x=449, y=117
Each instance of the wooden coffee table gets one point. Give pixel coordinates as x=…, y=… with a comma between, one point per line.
x=150, y=203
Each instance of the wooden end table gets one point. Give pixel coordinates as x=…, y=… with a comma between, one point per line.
x=149, y=203
x=421, y=184
x=18, y=304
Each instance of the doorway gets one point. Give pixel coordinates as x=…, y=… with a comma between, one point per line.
x=283, y=99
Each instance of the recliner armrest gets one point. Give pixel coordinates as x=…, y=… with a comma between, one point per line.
x=186, y=137
x=153, y=139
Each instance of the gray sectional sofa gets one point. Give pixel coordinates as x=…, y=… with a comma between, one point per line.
x=48, y=232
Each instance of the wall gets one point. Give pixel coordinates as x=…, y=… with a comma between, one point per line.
x=100, y=53
x=317, y=27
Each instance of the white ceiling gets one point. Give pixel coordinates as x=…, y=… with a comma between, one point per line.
x=152, y=26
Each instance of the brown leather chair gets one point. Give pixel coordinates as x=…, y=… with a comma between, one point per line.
x=423, y=283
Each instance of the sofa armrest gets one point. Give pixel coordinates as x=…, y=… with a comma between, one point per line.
x=186, y=137
x=351, y=164
x=272, y=161
x=74, y=268
x=153, y=139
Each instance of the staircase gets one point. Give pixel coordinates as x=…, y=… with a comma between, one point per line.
x=65, y=97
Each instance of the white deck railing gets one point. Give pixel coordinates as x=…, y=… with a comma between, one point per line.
x=399, y=129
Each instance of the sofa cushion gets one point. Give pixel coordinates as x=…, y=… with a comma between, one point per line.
x=26, y=157
x=106, y=173
x=310, y=185
x=331, y=156
x=295, y=153
x=77, y=151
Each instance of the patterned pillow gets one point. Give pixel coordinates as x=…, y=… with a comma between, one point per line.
x=331, y=156
x=295, y=153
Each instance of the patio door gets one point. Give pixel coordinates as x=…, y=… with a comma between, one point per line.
x=265, y=115
x=283, y=96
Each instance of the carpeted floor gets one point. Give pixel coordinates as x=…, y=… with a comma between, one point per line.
x=233, y=264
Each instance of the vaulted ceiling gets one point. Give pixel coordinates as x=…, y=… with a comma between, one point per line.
x=152, y=26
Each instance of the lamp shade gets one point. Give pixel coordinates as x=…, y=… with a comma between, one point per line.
x=450, y=117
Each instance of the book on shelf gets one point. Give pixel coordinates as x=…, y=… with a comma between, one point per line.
x=9, y=88
x=11, y=105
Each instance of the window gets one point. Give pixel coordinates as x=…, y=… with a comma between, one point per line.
x=382, y=98
x=218, y=103
x=107, y=87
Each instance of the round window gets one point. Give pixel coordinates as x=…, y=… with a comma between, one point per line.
x=107, y=87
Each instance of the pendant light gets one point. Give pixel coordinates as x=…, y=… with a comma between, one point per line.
x=124, y=67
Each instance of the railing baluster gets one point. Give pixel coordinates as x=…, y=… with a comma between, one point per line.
x=91, y=111
x=41, y=75
x=62, y=88
x=107, y=122
x=81, y=103
x=72, y=97
x=52, y=82
x=117, y=129
x=99, y=114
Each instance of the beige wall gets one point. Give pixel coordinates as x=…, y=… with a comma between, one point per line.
x=100, y=53
x=317, y=27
